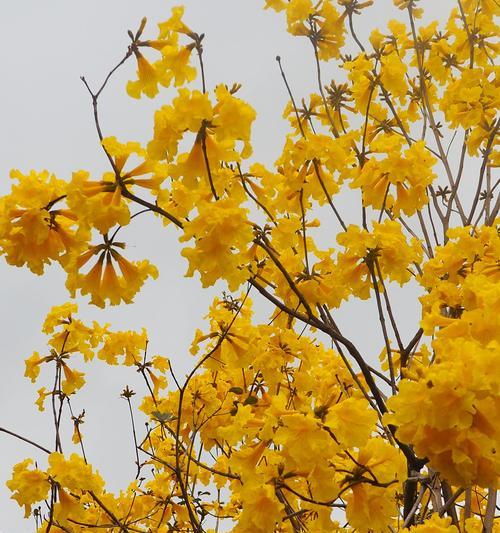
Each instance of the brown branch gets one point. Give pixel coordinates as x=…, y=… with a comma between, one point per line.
x=428, y=109
x=111, y=515
x=381, y=318
x=484, y=164
x=411, y=502
x=320, y=87
x=290, y=94
x=489, y=517
x=153, y=207
x=286, y=275
x=449, y=500
x=406, y=352
x=125, y=192
x=207, y=162
x=20, y=437
x=388, y=306
x=330, y=503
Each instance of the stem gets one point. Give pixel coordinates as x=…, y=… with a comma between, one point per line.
x=410, y=488
x=207, y=162
x=320, y=87
x=490, y=511
x=327, y=194
x=253, y=196
x=484, y=164
x=449, y=500
x=199, y=50
x=125, y=192
x=428, y=109
x=20, y=437
x=138, y=462
x=381, y=319
x=278, y=59
x=304, y=237
x=388, y=306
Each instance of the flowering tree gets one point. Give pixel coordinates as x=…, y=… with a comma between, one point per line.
x=285, y=424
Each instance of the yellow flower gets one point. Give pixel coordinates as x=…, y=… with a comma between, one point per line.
x=316, y=446
x=392, y=75
x=33, y=366
x=471, y=99
x=372, y=508
x=148, y=78
x=74, y=473
x=409, y=174
x=29, y=486
x=222, y=235
x=74, y=380
x=70, y=335
x=32, y=231
x=234, y=432
x=193, y=167
x=369, y=508
x=42, y=394
x=297, y=12
x=98, y=204
x=320, y=22
x=233, y=119
x=352, y=421
x=391, y=248
x=58, y=315
x=460, y=438
x=188, y=111
x=127, y=344
x=67, y=506
x=174, y=23
x=76, y=438
x=102, y=282
x=277, y=5
x=362, y=86
x=261, y=509
x=176, y=64
x=435, y=524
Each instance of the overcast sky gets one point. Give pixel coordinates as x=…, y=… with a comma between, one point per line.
x=47, y=124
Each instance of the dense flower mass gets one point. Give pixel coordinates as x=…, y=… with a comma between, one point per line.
x=287, y=423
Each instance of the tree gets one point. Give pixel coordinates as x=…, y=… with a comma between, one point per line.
x=283, y=423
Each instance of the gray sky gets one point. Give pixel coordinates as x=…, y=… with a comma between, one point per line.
x=47, y=124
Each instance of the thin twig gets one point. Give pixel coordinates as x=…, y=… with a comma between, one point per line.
x=20, y=437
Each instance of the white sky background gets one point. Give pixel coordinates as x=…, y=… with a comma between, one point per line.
x=47, y=124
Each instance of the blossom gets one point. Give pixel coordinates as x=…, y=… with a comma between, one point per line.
x=33, y=366
x=408, y=174
x=189, y=109
x=73, y=381
x=126, y=344
x=74, y=473
x=435, y=524
x=471, y=99
x=371, y=507
x=352, y=421
x=98, y=204
x=392, y=75
x=460, y=438
x=29, y=486
x=33, y=231
x=261, y=509
x=148, y=78
x=102, y=281
x=386, y=244
x=174, y=63
x=221, y=236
